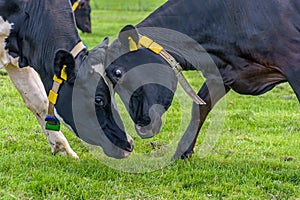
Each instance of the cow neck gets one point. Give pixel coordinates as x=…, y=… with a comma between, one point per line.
x=168, y=17
x=34, y=43
x=156, y=48
x=52, y=123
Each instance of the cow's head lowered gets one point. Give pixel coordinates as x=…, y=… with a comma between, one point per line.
x=82, y=11
x=44, y=36
x=143, y=79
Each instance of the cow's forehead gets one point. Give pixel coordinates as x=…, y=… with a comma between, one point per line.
x=100, y=69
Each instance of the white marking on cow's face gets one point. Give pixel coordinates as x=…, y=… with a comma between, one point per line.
x=4, y=33
x=99, y=69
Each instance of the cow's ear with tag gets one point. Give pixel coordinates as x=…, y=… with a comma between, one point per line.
x=64, y=58
x=128, y=33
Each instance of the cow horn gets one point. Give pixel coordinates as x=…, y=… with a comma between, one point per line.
x=188, y=89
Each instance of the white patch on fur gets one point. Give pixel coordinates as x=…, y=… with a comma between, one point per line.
x=4, y=33
x=101, y=70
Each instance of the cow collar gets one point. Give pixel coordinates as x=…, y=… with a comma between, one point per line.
x=158, y=49
x=77, y=49
x=52, y=123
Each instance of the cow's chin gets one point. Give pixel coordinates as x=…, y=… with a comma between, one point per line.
x=150, y=130
x=119, y=153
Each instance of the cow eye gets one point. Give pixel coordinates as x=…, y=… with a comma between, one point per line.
x=100, y=101
x=118, y=73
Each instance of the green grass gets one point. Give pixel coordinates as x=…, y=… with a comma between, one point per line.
x=257, y=155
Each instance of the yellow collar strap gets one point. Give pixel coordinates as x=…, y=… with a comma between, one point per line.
x=145, y=42
x=52, y=123
x=63, y=75
x=52, y=97
x=158, y=49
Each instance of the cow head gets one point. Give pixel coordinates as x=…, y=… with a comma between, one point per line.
x=84, y=100
x=83, y=15
x=144, y=81
x=85, y=103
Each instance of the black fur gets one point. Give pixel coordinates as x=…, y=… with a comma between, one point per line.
x=8, y=8
x=247, y=46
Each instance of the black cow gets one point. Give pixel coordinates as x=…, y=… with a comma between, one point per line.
x=45, y=31
x=254, y=45
x=82, y=11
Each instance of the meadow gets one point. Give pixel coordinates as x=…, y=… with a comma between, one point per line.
x=254, y=154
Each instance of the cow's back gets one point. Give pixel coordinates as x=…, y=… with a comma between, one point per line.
x=261, y=37
x=260, y=30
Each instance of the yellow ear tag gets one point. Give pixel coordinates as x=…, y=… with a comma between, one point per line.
x=63, y=73
x=132, y=44
x=75, y=6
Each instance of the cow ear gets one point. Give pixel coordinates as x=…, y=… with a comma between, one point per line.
x=104, y=43
x=62, y=58
x=8, y=8
x=126, y=32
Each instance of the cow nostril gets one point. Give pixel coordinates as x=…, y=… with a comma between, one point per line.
x=144, y=121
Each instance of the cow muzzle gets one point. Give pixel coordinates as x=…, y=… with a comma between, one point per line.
x=148, y=131
x=129, y=149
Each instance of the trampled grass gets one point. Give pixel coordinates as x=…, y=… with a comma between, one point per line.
x=257, y=154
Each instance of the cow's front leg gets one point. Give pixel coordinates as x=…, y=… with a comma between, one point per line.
x=211, y=95
x=29, y=85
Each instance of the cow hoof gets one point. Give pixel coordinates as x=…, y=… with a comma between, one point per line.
x=61, y=149
x=187, y=154
x=182, y=156
x=59, y=143
x=72, y=154
x=64, y=149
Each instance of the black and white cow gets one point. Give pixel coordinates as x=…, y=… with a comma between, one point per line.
x=246, y=46
x=82, y=11
x=43, y=35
